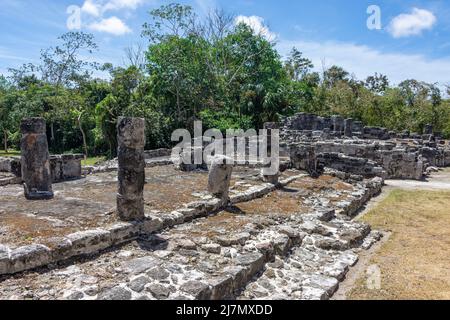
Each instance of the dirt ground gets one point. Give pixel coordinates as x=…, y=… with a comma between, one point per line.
x=90, y=202
x=414, y=258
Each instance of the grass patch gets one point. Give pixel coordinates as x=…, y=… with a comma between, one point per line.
x=11, y=153
x=92, y=161
x=415, y=261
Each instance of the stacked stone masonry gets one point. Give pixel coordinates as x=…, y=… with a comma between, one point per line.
x=315, y=142
x=62, y=167
x=293, y=238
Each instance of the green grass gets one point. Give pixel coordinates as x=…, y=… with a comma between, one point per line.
x=92, y=161
x=11, y=153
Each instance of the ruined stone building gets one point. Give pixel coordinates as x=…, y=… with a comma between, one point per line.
x=148, y=226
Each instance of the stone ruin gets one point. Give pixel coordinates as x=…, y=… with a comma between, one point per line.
x=221, y=231
x=315, y=142
x=35, y=160
x=34, y=149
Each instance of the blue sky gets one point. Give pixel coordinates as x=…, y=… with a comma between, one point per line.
x=413, y=42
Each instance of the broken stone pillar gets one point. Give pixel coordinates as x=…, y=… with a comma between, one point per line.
x=268, y=173
x=219, y=177
x=428, y=129
x=338, y=124
x=348, y=127
x=131, y=175
x=35, y=160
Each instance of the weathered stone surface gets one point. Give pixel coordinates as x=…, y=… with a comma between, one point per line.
x=131, y=175
x=139, y=283
x=140, y=265
x=222, y=288
x=35, y=160
x=220, y=177
x=29, y=257
x=5, y=262
x=212, y=248
x=61, y=248
x=265, y=253
x=86, y=242
x=233, y=239
x=197, y=289
x=158, y=273
x=159, y=291
x=151, y=225
x=122, y=232
x=348, y=127
x=116, y=294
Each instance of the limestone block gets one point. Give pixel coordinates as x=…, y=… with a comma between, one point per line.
x=29, y=257
x=90, y=241
x=219, y=177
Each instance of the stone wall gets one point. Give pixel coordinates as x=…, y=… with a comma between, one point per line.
x=400, y=164
x=306, y=137
x=150, y=154
x=62, y=167
x=357, y=166
x=11, y=164
x=368, y=159
x=65, y=167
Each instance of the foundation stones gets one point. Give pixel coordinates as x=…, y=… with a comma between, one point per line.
x=35, y=160
x=219, y=177
x=131, y=174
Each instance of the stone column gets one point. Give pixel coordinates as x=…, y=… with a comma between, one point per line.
x=131, y=175
x=35, y=160
x=219, y=177
x=272, y=157
x=348, y=127
x=338, y=124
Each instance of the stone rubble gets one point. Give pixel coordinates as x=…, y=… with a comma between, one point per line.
x=298, y=256
x=289, y=236
x=315, y=142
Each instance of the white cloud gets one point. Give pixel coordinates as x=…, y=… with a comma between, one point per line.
x=122, y=4
x=257, y=25
x=411, y=24
x=97, y=10
x=97, y=7
x=112, y=25
x=92, y=8
x=363, y=61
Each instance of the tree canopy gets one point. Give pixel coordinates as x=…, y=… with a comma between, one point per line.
x=189, y=69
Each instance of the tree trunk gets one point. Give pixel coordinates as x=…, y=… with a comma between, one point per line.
x=52, y=130
x=178, y=106
x=5, y=140
x=84, y=138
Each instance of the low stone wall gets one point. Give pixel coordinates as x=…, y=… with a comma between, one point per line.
x=158, y=153
x=303, y=157
x=65, y=167
x=447, y=158
x=62, y=167
x=400, y=164
x=92, y=241
x=353, y=165
x=11, y=164
x=362, y=158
